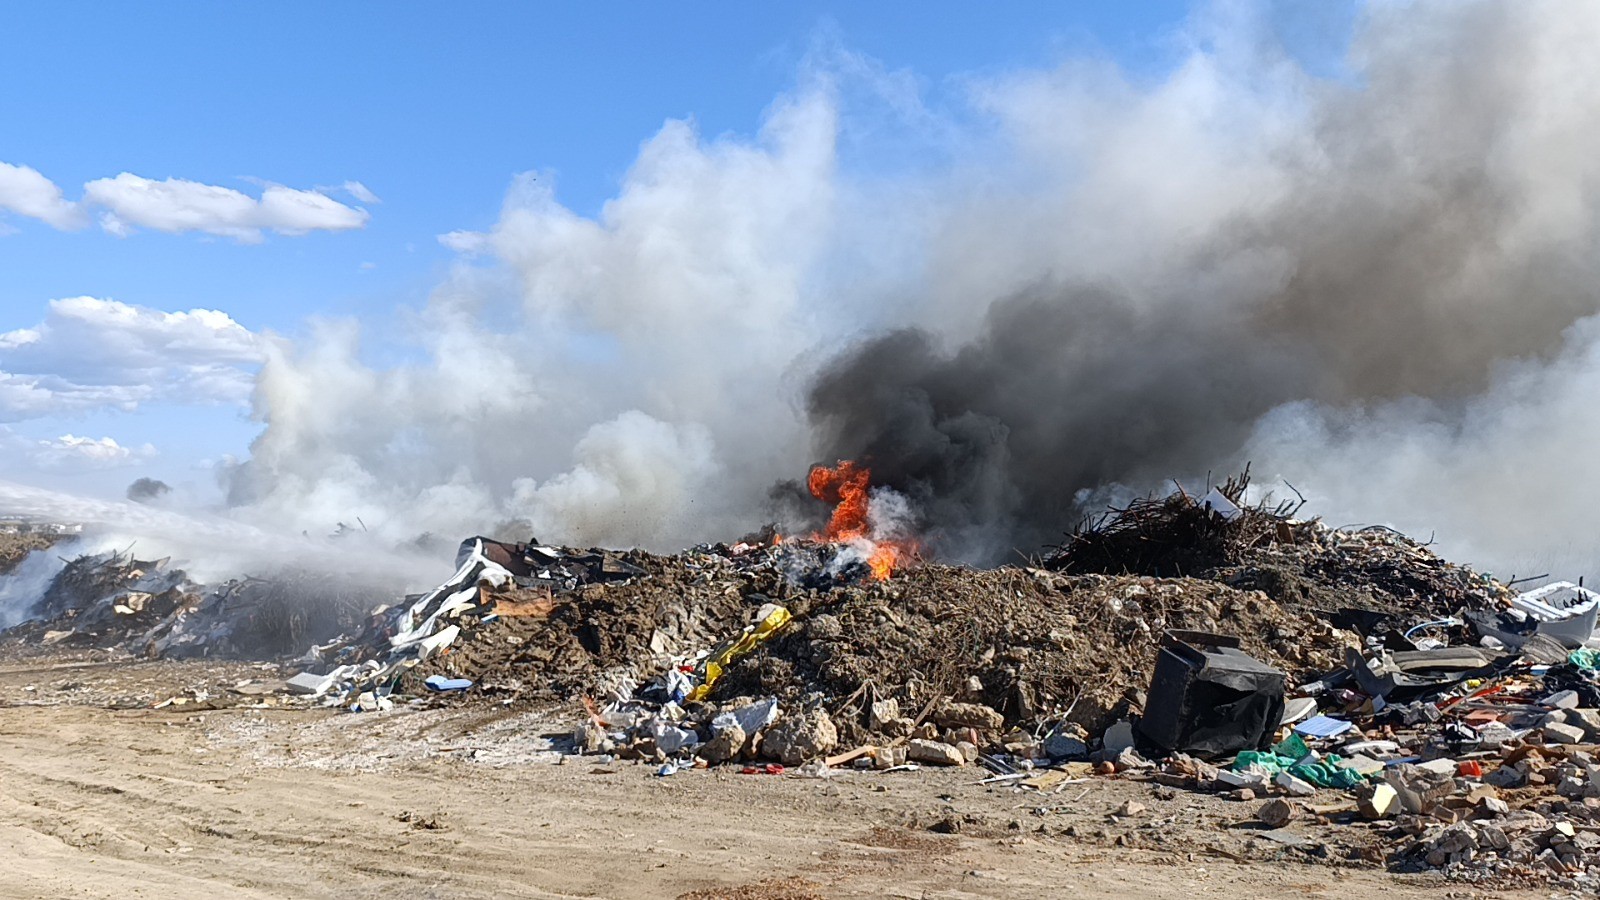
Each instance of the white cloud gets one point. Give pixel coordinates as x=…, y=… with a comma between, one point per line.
x=178, y=205
x=27, y=193
x=90, y=353
x=361, y=192
x=71, y=451
x=467, y=243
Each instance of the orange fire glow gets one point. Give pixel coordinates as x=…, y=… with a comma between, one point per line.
x=845, y=486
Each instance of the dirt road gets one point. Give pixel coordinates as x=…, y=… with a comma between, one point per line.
x=477, y=802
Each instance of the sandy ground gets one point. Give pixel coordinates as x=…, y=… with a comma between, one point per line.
x=101, y=796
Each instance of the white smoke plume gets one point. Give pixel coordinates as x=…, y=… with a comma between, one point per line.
x=212, y=548
x=1377, y=285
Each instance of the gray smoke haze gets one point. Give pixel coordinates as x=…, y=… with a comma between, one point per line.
x=1054, y=285
x=1421, y=227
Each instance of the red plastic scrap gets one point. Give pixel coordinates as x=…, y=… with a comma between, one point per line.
x=768, y=769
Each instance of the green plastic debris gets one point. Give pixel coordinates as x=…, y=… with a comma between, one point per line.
x=1293, y=756
x=1327, y=772
x=1292, y=747
x=1585, y=659
x=1268, y=761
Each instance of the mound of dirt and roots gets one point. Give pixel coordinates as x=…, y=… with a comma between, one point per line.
x=1073, y=639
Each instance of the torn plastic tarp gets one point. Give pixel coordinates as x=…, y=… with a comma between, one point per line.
x=1208, y=698
x=750, y=719
x=426, y=626
x=711, y=668
x=1411, y=672
x=1292, y=755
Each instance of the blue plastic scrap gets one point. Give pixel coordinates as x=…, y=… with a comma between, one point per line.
x=442, y=684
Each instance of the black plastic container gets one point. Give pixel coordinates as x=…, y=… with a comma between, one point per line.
x=1208, y=698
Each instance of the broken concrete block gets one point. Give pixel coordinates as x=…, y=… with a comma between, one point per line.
x=1379, y=802
x=1562, y=734
x=1440, y=766
x=1255, y=778
x=1494, y=734
x=1506, y=777
x=1118, y=737
x=1494, y=806
x=889, y=757
x=1561, y=700
x=968, y=715
x=934, y=753
x=723, y=746
x=1492, y=836
x=1588, y=720
x=882, y=713
x=1130, y=808
x=800, y=736
x=1375, y=749
x=1294, y=786
x=1362, y=765
x=1554, y=717
x=587, y=737
x=1062, y=745
x=1276, y=813
x=1420, y=791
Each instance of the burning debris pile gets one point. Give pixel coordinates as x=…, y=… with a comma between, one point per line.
x=149, y=608
x=1195, y=641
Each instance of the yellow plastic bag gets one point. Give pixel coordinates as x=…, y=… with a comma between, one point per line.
x=727, y=654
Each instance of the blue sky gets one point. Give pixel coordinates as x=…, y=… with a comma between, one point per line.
x=410, y=120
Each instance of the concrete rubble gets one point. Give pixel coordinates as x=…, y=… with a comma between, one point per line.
x=1320, y=675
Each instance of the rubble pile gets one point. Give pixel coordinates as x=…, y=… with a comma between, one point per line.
x=1028, y=644
x=14, y=548
x=1328, y=675
x=150, y=608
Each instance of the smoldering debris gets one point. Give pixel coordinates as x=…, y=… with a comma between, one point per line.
x=150, y=608
x=1194, y=641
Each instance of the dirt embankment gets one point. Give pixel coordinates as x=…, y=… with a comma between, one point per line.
x=15, y=547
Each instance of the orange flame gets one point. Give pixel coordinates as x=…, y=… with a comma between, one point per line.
x=845, y=486
x=882, y=561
